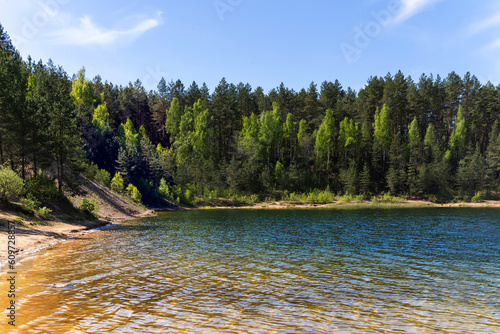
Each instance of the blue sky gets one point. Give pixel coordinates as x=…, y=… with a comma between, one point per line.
x=260, y=42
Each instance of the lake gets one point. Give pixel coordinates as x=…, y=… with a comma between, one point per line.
x=262, y=271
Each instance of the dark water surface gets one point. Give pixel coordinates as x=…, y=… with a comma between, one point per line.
x=264, y=271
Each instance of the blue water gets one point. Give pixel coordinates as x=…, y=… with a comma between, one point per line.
x=287, y=271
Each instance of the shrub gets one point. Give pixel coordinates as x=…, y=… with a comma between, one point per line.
x=11, y=185
x=477, y=198
x=103, y=178
x=189, y=196
x=41, y=187
x=164, y=190
x=90, y=205
x=134, y=193
x=117, y=183
x=43, y=212
x=30, y=203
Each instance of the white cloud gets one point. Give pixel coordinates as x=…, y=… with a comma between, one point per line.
x=485, y=24
x=410, y=8
x=89, y=33
x=495, y=45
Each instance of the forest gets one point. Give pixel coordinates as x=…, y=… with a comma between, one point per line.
x=427, y=138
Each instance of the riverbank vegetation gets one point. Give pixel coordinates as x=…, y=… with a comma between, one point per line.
x=397, y=138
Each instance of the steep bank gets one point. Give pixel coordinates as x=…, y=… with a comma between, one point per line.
x=64, y=223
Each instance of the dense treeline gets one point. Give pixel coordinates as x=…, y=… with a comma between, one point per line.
x=433, y=136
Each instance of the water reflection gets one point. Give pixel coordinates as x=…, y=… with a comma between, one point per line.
x=367, y=271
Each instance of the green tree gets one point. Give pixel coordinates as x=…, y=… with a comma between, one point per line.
x=396, y=176
x=271, y=133
x=325, y=139
x=349, y=138
x=15, y=121
x=117, y=183
x=493, y=153
x=173, y=121
x=458, y=139
x=134, y=193
x=472, y=173
x=249, y=137
x=65, y=140
x=382, y=133
x=414, y=141
x=290, y=132
x=100, y=118
x=365, y=180
x=350, y=179
x=11, y=185
x=414, y=145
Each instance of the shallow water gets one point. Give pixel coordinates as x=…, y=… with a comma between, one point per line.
x=259, y=271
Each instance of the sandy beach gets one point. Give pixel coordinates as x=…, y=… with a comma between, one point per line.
x=31, y=238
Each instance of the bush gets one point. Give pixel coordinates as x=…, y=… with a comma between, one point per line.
x=477, y=198
x=388, y=198
x=103, y=178
x=43, y=212
x=11, y=185
x=90, y=205
x=134, y=193
x=41, y=187
x=30, y=203
x=117, y=183
x=189, y=196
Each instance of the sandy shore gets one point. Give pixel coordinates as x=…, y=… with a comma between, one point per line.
x=365, y=204
x=31, y=238
x=35, y=238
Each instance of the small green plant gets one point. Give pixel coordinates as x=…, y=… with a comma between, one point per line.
x=477, y=198
x=346, y=198
x=433, y=198
x=11, y=185
x=39, y=223
x=90, y=205
x=30, y=203
x=43, y=212
x=254, y=198
x=388, y=198
x=359, y=198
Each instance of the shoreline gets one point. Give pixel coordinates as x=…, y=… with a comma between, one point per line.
x=33, y=239
x=410, y=204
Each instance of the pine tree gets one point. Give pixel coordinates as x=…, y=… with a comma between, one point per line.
x=365, y=180
x=493, y=153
